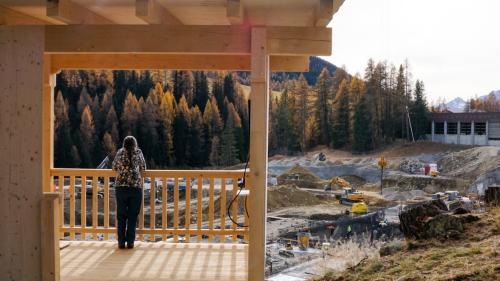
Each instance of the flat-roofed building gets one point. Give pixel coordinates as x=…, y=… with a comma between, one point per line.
x=471, y=128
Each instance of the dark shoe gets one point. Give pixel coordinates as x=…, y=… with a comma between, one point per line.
x=121, y=246
x=130, y=246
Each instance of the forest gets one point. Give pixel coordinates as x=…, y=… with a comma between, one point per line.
x=196, y=119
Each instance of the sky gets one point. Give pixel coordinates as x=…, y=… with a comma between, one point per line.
x=452, y=45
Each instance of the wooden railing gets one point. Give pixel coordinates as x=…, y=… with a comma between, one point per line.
x=177, y=205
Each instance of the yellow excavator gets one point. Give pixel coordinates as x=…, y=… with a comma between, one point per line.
x=336, y=182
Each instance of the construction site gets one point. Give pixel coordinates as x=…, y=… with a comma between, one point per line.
x=327, y=210
x=330, y=210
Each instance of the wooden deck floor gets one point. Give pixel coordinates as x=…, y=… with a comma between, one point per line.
x=103, y=261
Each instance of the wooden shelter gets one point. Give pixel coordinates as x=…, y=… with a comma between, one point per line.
x=38, y=38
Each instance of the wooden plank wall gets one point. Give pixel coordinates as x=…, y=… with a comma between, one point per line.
x=21, y=68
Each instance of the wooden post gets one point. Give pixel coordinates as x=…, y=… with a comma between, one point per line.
x=258, y=154
x=49, y=82
x=21, y=151
x=50, y=236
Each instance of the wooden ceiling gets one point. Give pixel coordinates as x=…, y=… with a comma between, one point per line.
x=172, y=12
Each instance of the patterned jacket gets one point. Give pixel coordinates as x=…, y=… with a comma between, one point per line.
x=129, y=175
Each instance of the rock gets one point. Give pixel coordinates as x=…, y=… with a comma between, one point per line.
x=411, y=166
x=390, y=248
x=431, y=220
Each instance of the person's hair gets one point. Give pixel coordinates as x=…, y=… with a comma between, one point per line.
x=130, y=144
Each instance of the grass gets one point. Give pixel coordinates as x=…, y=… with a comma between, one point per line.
x=476, y=257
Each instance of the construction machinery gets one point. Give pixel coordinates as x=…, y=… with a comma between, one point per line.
x=336, y=182
x=359, y=208
x=350, y=196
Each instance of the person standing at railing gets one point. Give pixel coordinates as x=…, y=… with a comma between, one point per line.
x=129, y=163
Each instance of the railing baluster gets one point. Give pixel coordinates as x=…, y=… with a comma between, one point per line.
x=223, y=209
x=141, y=212
x=95, y=204
x=199, y=208
x=176, y=208
x=61, y=191
x=234, y=213
x=164, y=211
x=187, y=237
x=83, y=205
x=152, y=210
x=72, y=211
x=106, y=206
x=211, y=209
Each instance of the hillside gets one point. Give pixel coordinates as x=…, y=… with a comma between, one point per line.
x=315, y=66
x=475, y=257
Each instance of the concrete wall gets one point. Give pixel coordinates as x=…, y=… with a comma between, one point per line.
x=450, y=139
x=21, y=87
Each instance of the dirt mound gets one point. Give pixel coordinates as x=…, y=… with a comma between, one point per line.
x=289, y=196
x=354, y=180
x=300, y=177
x=426, y=183
x=471, y=163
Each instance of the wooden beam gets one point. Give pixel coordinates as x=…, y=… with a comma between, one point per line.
x=325, y=11
x=12, y=17
x=147, y=39
x=299, y=41
x=235, y=40
x=167, y=61
x=154, y=13
x=234, y=11
x=72, y=13
x=259, y=118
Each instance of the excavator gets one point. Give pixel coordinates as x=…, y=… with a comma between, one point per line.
x=336, y=182
x=349, y=195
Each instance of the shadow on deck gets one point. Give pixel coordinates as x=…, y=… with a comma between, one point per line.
x=99, y=260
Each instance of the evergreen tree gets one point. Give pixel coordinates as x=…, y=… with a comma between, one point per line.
x=166, y=133
x=361, y=140
x=285, y=133
x=183, y=86
x=182, y=123
x=214, y=157
x=201, y=89
x=229, y=88
x=196, y=143
x=340, y=126
x=301, y=110
x=149, y=133
x=130, y=115
x=145, y=84
x=228, y=149
x=62, y=134
x=111, y=124
x=83, y=101
x=218, y=90
x=419, y=112
x=356, y=92
x=87, y=138
x=323, y=105
x=108, y=144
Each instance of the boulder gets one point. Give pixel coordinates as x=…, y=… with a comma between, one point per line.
x=432, y=220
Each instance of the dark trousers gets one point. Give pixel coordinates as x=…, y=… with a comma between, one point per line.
x=128, y=204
